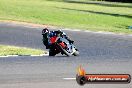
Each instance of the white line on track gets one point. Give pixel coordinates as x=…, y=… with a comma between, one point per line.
x=3, y=56
x=25, y=55
x=69, y=78
x=98, y=32
x=31, y=25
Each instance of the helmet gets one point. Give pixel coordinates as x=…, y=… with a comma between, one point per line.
x=44, y=31
x=59, y=30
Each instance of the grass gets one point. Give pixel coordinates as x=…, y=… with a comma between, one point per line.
x=12, y=50
x=81, y=14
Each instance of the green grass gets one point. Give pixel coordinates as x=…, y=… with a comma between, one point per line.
x=81, y=14
x=12, y=50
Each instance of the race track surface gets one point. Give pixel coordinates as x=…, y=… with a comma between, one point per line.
x=99, y=53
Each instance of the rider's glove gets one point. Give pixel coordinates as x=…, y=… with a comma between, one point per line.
x=71, y=41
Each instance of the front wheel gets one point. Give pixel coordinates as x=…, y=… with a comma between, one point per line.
x=76, y=53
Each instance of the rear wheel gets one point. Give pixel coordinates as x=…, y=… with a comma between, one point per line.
x=52, y=53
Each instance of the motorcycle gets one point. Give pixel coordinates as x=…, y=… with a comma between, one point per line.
x=63, y=46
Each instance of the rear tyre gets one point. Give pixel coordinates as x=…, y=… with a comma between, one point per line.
x=52, y=53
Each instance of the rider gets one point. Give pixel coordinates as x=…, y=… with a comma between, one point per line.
x=48, y=34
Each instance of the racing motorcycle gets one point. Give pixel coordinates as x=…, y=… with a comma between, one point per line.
x=62, y=45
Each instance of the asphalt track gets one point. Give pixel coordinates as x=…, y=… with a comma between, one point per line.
x=99, y=53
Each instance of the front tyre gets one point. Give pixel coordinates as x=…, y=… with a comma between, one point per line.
x=76, y=53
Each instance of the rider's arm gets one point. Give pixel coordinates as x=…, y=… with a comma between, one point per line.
x=67, y=37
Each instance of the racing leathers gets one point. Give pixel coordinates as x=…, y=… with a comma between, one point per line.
x=46, y=38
